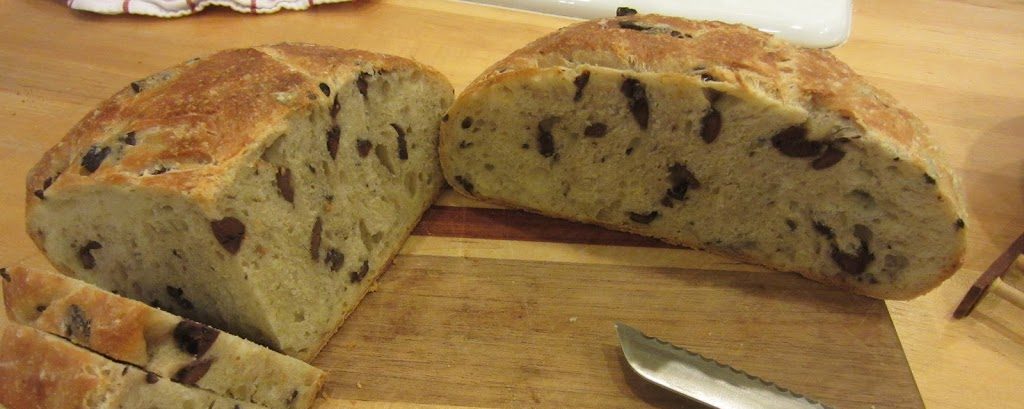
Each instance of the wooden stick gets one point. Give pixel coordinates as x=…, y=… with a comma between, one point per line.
x=1011, y=294
x=999, y=267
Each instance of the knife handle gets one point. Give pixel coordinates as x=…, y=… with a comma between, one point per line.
x=999, y=267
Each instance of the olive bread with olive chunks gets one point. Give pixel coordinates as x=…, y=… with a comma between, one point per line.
x=259, y=190
x=39, y=370
x=715, y=136
x=157, y=341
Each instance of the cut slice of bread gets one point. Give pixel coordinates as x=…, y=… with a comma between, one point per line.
x=41, y=371
x=258, y=190
x=157, y=341
x=714, y=136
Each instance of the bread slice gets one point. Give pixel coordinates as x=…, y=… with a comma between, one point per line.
x=157, y=341
x=38, y=370
x=714, y=136
x=258, y=190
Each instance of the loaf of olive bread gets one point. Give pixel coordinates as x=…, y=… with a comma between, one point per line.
x=715, y=136
x=39, y=370
x=258, y=190
x=157, y=341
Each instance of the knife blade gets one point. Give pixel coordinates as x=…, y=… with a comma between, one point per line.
x=703, y=379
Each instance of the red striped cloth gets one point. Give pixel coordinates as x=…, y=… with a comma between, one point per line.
x=179, y=8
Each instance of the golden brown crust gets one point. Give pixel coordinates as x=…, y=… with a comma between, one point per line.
x=36, y=375
x=323, y=62
x=23, y=295
x=118, y=328
x=204, y=113
x=116, y=325
x=727, y=52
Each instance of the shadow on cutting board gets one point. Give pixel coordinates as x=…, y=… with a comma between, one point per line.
x=990, y=191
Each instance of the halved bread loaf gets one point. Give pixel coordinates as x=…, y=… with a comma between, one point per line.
x=41, y=371
x=715, y=136
x=257, y=190
x=157, y=341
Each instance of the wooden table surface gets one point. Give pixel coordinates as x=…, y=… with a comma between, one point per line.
x=958, y=64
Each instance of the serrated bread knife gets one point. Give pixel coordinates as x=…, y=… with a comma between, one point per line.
x=703, y=379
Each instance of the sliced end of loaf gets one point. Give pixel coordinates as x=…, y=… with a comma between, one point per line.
x=355, y=201
x=156, y=341
x=40, y=370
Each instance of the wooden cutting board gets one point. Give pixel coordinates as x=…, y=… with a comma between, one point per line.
x=498, y=308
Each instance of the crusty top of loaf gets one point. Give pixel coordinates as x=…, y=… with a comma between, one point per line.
x=812, y=79
x=30, y=296
x=728, y=52
x=33, y=367
x=196, y=118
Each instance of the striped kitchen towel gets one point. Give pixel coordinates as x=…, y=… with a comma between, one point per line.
x=179, y=8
